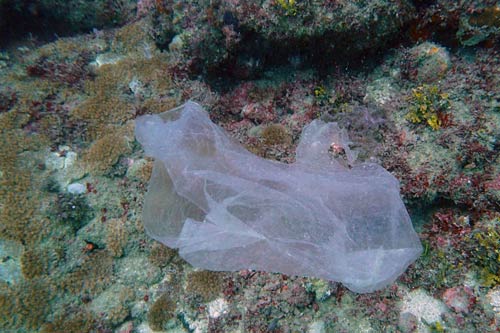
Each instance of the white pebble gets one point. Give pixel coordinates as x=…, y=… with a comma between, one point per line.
x=77, y=188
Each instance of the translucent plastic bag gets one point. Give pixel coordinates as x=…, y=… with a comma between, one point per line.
x=227, y=209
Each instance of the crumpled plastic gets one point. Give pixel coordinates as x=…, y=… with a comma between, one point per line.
x=226, y=209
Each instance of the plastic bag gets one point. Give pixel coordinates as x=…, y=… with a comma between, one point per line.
x=226, y=209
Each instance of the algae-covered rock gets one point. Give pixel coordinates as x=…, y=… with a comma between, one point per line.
x=242, y=37
x=427, y=62
x=62, y=17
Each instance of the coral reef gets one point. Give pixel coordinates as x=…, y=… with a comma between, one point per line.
x=263, y=69
x=91, y=276
x=116, y=237
x=162, y=310
x=79, y=321
x=120, y=91
x=105, y=151
x=26, y=304
x=275, y=134
x=160, y=255
x=20, y=216
x=34, y=263
x=205, y=284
